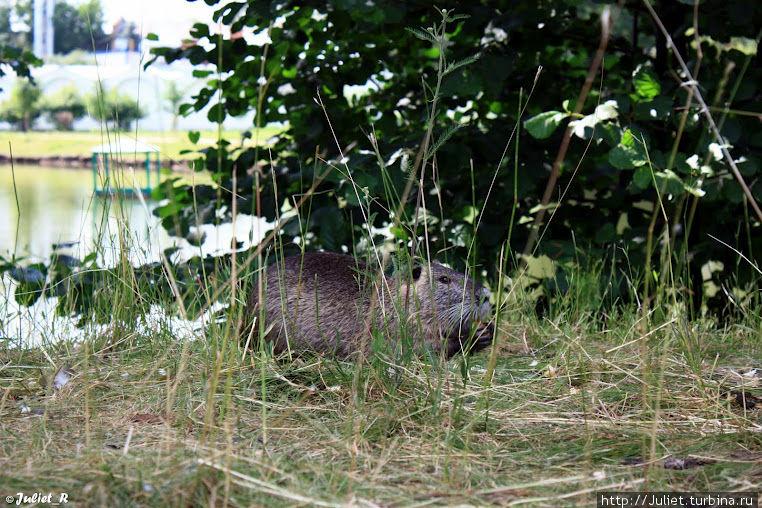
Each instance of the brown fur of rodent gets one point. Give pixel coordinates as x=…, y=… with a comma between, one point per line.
x=320, y=302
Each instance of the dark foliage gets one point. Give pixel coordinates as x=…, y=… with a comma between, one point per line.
x=18, y=60
x=320, y=48
x=78, y=27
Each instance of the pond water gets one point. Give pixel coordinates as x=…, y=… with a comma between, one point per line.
x=41, y=207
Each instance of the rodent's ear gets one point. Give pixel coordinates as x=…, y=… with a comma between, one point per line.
x=415, y=268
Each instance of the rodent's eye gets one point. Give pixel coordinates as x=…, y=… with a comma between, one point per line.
x=444, y=279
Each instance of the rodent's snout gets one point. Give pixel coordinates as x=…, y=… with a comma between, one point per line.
x=482, y=308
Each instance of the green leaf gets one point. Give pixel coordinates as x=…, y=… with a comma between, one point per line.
x=670, y=183
x=169, y=210
x=457, y=17
x=460, y=63
x=331, y=224
x=399, y=232
x=152, y=36
x=732, y=191
x=432, y=53
x=605, y=233
x=610, y=133
x=194, y=136
x=467, y=214
x=630, y=153
x=623, y=158
x=646, y=84
x=216, y=113
x=424, y=36
x=26, y=294
x=31, y=281
x=542, y=126
x=442, y=138
x=641, y=178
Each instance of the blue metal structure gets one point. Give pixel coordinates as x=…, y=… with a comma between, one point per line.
x=116, y=154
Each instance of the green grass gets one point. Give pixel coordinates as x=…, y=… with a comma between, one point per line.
x=584, y=398
x=61, y=143
x=161, y=422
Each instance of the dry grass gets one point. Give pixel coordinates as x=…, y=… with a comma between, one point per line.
x=573, y=415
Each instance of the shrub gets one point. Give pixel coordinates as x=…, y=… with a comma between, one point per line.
x=111, y=106
x=64, y=107
x=23, y=106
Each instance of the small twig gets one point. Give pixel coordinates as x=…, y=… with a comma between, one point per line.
x=561, y=155
x=753, y=265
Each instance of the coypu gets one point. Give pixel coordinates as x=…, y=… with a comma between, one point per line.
x=321, y=302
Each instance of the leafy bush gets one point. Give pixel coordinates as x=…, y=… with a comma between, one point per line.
x=73, y=57
x=114, y=107
x=64, y=107
x=639, y=145
x=23, y=106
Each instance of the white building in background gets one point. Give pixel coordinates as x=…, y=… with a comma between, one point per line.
x=124, y=71
x=43, y=28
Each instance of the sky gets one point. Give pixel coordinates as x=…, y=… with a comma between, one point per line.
x=169, y=19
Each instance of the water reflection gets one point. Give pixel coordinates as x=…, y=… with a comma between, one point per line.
x=41, y=207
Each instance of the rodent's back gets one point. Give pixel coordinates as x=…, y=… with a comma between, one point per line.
x=314, y=302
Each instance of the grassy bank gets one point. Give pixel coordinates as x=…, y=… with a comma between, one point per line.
x=584, y=398
x=60, y=143
x=577, y=405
